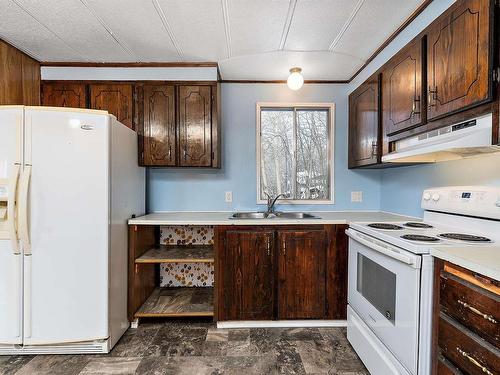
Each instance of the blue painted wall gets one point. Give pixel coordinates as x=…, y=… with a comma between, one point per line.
x=192, y=190
x=396, y=190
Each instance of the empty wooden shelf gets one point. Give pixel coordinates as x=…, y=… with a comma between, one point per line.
x=172, y=302
x=178, y=254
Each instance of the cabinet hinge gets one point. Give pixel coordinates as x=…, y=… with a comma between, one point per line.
x=213, y=155
x=496, y=74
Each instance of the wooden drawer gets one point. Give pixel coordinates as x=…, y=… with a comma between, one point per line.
x=474, y=307
x=474, y=278
x=468, y=352
x=445, y=367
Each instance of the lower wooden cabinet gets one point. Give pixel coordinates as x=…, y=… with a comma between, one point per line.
x=302, y=274
x=248, y=274
x=466, y=322
x=281, y=272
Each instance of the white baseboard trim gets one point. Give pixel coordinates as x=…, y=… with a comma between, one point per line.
x=282, y=323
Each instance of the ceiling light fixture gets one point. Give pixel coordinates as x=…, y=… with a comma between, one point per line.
x=295, y=79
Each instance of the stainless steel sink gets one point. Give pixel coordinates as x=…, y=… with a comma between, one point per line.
x=295, y=215
x=250, y=215
x=266, y=215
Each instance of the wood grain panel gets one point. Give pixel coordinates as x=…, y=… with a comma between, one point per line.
x=159, y=125
x=141, y=277
x=364, y=144
x=114, y=98
x=302, y=274
x=60, y=94
x=401, y=80
x=248, y=275
x=459, y=58
x=19, y=77
x=195, y=126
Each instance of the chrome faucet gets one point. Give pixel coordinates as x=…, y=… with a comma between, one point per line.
x=272, y=201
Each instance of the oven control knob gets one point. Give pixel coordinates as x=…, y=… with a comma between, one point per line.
x=388, y=315
x=427, y=196
x=435, y=197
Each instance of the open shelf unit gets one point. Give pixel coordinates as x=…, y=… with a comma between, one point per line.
x=178, y=301
x=178, y=254
x=149, y=296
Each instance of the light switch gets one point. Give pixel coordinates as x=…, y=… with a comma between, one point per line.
x=229, y=196
x=356, y=196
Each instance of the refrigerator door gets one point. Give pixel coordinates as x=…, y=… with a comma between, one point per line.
x=64, y=229
x=11, y=260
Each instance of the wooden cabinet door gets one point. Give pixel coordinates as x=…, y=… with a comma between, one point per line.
x=157, y=134
x=401, y=81
x=248, y=276
x=114, y=98
x=302, y=274
x=60, y=94
x=195, y=126
x=458, y=58
x=364, y=143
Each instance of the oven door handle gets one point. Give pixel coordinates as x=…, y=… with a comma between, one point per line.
x=390, y=251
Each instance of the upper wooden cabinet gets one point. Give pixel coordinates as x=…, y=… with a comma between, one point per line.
x=401, y=80
x=61, y=94
x=248, y=275
x=195, y=126
x=178, y=125
x=302, y=274
x=364, y=145
x=117, y=99
x=459, y=50
x=157, y=139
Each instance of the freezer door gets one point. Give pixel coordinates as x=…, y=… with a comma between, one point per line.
x=66, y=244
x=11, y=128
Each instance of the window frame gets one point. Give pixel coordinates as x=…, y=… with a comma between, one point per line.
x=331, y=151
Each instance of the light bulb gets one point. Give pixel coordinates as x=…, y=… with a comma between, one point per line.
x=295, y=79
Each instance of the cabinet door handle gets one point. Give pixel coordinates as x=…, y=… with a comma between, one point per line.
x=284, y=248
x=476, y=311
x=169, y=152
x=431, y=98
x=374, y=149
x=185, y=153
x=474, y=361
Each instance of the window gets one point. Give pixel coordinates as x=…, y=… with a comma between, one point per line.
x=295, y=152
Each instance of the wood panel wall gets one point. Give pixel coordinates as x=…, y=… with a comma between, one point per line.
x=19, y=77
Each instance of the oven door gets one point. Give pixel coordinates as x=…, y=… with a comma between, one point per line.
x=384, y=290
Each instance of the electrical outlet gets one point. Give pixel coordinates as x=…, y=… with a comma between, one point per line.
x=229, y=196
x=356, y=196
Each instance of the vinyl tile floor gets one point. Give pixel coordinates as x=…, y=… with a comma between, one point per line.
x=197, y=347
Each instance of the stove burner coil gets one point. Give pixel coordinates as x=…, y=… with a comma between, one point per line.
x=418, y=225
x=419, y=237
x=464, y=237
x=385, y=226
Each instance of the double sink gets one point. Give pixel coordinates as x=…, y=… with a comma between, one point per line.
x=272, y=215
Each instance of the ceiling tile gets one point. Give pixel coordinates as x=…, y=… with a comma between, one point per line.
x=78, y=27
x=256, y=25
x=138, y=26
x=316, y=23
x=276, y=65
x=373, y=24
x=20, y=29
x=198, y=27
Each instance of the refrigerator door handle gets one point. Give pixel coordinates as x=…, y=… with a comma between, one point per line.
x=11, y=210
x=23, y=209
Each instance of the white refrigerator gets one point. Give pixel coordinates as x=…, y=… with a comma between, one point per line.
x=69, y=180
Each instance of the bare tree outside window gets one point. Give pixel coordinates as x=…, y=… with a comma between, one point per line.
x=295, y=144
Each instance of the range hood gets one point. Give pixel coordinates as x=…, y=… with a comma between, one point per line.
x=463, y=140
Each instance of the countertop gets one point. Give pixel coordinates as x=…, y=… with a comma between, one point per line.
x=484, y=260
x=222, y=218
